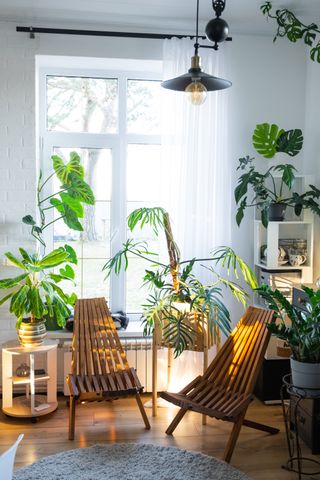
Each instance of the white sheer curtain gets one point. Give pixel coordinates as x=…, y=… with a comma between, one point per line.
x=197, y=190
x=196, y=181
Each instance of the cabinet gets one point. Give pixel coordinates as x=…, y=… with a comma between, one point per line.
x=30, y=404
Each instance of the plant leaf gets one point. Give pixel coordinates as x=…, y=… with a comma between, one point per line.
x=12, y=282
x=290, y=142
x=265, y=138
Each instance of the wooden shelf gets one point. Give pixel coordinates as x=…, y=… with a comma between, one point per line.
x=25, y=380
x=281, y=267
x=21, y=407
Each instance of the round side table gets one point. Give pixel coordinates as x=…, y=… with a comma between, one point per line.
x=29, y=405
x=297, y=394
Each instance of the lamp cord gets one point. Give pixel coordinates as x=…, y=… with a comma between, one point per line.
x=196, y=45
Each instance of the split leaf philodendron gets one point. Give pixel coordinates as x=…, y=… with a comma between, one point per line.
x=275, y=185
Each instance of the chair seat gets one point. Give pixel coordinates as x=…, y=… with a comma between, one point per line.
x=212, y=401
x=110, y=385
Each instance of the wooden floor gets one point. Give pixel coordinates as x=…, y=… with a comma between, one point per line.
x=258, y=454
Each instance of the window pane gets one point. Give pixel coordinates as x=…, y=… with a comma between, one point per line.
x=143, y=173
x=93, y=244
x=79, y=104
x=143, y=107
x=143, y=190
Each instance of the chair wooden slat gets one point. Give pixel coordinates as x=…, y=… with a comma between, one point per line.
x=226, y=388
x=100, y=369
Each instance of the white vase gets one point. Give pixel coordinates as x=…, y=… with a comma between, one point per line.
x=306, y=376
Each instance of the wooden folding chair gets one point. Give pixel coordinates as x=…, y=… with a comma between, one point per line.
x=99, y=369
x=226, y=388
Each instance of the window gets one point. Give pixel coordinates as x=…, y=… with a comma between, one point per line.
x=112, y=119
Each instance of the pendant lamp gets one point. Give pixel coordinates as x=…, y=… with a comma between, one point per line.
x=196, y=83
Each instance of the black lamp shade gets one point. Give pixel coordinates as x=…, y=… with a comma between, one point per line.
x=209, y=81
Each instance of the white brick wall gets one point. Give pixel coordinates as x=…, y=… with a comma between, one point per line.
x=17, y=151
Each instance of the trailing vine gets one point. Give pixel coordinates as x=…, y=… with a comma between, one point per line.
x=291, y=27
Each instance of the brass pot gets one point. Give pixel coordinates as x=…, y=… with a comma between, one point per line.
x=32, y=334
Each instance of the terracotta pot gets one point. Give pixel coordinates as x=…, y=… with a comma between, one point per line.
x=32, y=333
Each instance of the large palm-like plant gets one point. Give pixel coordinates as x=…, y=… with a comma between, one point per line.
x=174, y=289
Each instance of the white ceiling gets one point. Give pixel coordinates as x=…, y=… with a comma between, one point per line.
x=167, y=16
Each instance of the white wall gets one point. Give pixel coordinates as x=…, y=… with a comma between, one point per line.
x=268, y=86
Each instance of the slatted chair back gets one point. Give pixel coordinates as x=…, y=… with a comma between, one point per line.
x=96, y=348
x=237, y=364
x=226, y=388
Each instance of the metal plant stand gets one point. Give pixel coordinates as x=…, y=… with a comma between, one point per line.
x=296, y=460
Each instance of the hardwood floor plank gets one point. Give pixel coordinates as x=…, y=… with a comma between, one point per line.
x=258, y=454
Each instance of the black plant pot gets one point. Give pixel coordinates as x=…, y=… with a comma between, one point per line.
x=276, y=212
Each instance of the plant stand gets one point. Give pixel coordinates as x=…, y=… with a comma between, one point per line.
x=204, y=341
x=30, y=405
x=296, y=460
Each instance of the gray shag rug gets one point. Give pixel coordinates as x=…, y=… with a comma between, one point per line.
x=127, y=461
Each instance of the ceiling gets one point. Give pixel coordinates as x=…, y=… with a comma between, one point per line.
x=167, y=16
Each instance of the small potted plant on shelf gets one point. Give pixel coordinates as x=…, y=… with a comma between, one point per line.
x=267, y=194
x=36, y=294
x=179, y=302
x=302, y=335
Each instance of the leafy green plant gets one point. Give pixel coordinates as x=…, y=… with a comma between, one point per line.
x=68, y=200
x=269, y=140
x=303, y=334
x=36, y=292
x=174, y=289
x=288, y=25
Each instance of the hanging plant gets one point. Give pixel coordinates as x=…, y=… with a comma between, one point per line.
x=288, y=25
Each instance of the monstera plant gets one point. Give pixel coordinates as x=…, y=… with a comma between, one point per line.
x=68, y=200
x=35, y=294
x=178, y=299
x=268, y=192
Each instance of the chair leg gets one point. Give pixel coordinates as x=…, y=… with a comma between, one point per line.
x=72, y=417
x=260, y=426
x=175, y=422
x=233, y=439
x=142, y=411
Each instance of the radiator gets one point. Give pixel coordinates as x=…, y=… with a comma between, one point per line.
x=139, y=355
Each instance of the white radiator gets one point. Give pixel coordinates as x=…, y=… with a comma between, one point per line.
x=139, y=355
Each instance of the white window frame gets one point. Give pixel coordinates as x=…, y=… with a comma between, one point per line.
x=117, y=142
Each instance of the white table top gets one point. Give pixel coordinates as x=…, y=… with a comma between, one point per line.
x=15, y=348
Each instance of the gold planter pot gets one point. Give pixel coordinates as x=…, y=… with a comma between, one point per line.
x=32, y=333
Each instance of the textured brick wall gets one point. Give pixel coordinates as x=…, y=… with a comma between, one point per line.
x=17, y=151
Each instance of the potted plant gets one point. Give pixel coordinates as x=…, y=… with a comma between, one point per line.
x=36, y=293
x=268, y=195
x=302, y=335
x=179, y=301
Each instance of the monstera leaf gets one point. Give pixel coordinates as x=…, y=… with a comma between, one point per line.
x=63, y=170
x=290, y=142
x=265, y=137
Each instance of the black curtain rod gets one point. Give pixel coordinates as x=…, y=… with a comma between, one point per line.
x=97, y=33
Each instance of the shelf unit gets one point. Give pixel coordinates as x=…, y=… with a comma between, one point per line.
x=30, y=404
x=270, y=237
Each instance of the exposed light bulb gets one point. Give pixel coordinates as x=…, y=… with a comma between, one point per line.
x=196, y=92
